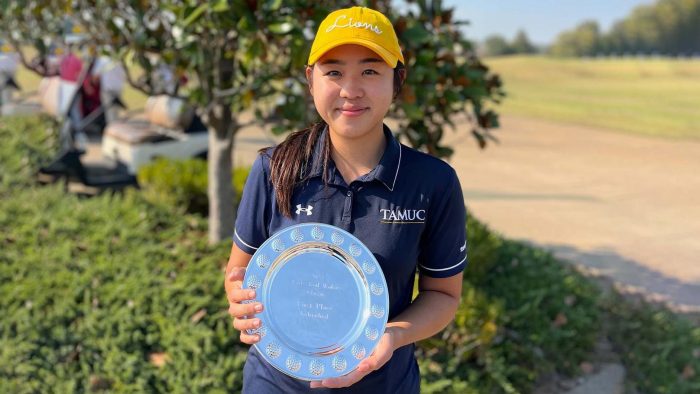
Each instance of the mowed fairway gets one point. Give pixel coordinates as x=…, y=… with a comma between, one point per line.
x=659, y=97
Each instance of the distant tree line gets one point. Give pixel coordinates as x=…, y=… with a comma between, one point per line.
x=668, y=27
x=497, y=45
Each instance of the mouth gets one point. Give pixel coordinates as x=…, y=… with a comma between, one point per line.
x=353, y=111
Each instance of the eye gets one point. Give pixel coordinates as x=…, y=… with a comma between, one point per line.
x=369, y=71
x=332, y=73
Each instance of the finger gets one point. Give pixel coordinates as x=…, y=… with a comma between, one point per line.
x=242, y=310
x=344, y=381
x=235, y=286
x=246, y=324
x=368, y=364
x=249, y=339
x=237, y=295
x=316, y=384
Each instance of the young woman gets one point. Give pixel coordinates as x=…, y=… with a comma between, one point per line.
x=349, y=171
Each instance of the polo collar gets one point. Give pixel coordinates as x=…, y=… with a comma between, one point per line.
x=386, y=171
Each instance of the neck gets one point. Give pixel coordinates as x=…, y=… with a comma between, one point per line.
x=355, y=157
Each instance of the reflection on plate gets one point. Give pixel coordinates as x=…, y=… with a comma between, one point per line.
x=325, y=299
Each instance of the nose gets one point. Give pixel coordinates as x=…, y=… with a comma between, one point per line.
x=352, y=88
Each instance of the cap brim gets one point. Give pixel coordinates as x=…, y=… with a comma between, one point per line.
x=387, y=56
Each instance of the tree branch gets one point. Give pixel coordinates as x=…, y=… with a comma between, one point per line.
x=140, y=86
x=30, y=65
x=231, y=91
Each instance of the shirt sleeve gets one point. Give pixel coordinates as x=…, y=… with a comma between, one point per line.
x=444, y=243
x=254, y=210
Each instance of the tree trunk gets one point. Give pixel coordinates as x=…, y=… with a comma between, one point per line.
x=220, y=158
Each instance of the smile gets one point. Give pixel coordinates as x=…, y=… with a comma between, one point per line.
x=352, y=111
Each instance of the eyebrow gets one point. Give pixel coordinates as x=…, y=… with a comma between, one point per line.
x=342, y=63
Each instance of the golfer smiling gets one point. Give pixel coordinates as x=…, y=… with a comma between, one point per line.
x=349, y=171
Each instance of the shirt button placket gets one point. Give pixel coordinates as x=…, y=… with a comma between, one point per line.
x=347, y=208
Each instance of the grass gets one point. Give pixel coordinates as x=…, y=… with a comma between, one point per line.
x=654, y=97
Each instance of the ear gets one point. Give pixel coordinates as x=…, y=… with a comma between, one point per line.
x=310, y=78
x=402, y=74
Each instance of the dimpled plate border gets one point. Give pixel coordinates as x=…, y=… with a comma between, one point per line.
x=319, y=366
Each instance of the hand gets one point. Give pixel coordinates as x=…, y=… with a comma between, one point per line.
x=243, y=314
x=382, y=353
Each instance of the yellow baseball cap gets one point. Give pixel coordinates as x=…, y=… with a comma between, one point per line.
x=361, y=26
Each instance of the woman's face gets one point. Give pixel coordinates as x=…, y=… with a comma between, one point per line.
x=352, y=89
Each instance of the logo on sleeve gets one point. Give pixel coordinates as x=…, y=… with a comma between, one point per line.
x=307, y=210
x=402, y=216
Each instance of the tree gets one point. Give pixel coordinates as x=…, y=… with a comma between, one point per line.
x=33, y=23
x=585, y=40
x=445, y=78
x=521, y=44
x=496, y=45
x=668, y=26
x=236, y=52
x=249, y=56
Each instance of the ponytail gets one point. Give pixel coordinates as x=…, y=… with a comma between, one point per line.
x=289, y=161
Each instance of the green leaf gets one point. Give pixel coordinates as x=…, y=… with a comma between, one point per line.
x=299, y=52
x=220, y=6
x=192, y=17
x=413, y=111
x=281, y=28
x=273, y=5
x=253, y=52
x=417, y=34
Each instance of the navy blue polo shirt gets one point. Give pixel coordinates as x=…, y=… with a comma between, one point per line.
x=409, y=211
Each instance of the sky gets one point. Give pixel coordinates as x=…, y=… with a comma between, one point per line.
x=542, y=20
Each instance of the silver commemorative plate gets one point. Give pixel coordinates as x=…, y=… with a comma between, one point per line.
x=325, y=301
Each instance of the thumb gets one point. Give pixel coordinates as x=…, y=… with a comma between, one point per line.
x=368, y=364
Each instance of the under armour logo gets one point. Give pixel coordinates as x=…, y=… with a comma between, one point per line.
x=307, y=209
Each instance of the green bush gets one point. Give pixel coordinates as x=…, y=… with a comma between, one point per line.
x=484, y=249
x=552, y=316
x=96, y=291
x=522, y=314
x=111, y=292
x=463, y=358
x=660, y=349
x=27, y=143
x=182, y=184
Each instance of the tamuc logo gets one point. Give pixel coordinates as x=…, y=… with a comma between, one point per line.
x=402, y=215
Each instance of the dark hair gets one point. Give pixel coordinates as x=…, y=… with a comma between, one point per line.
x=292, y=155
x=399, y=78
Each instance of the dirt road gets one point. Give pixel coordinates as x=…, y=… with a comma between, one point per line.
x=624, y=205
